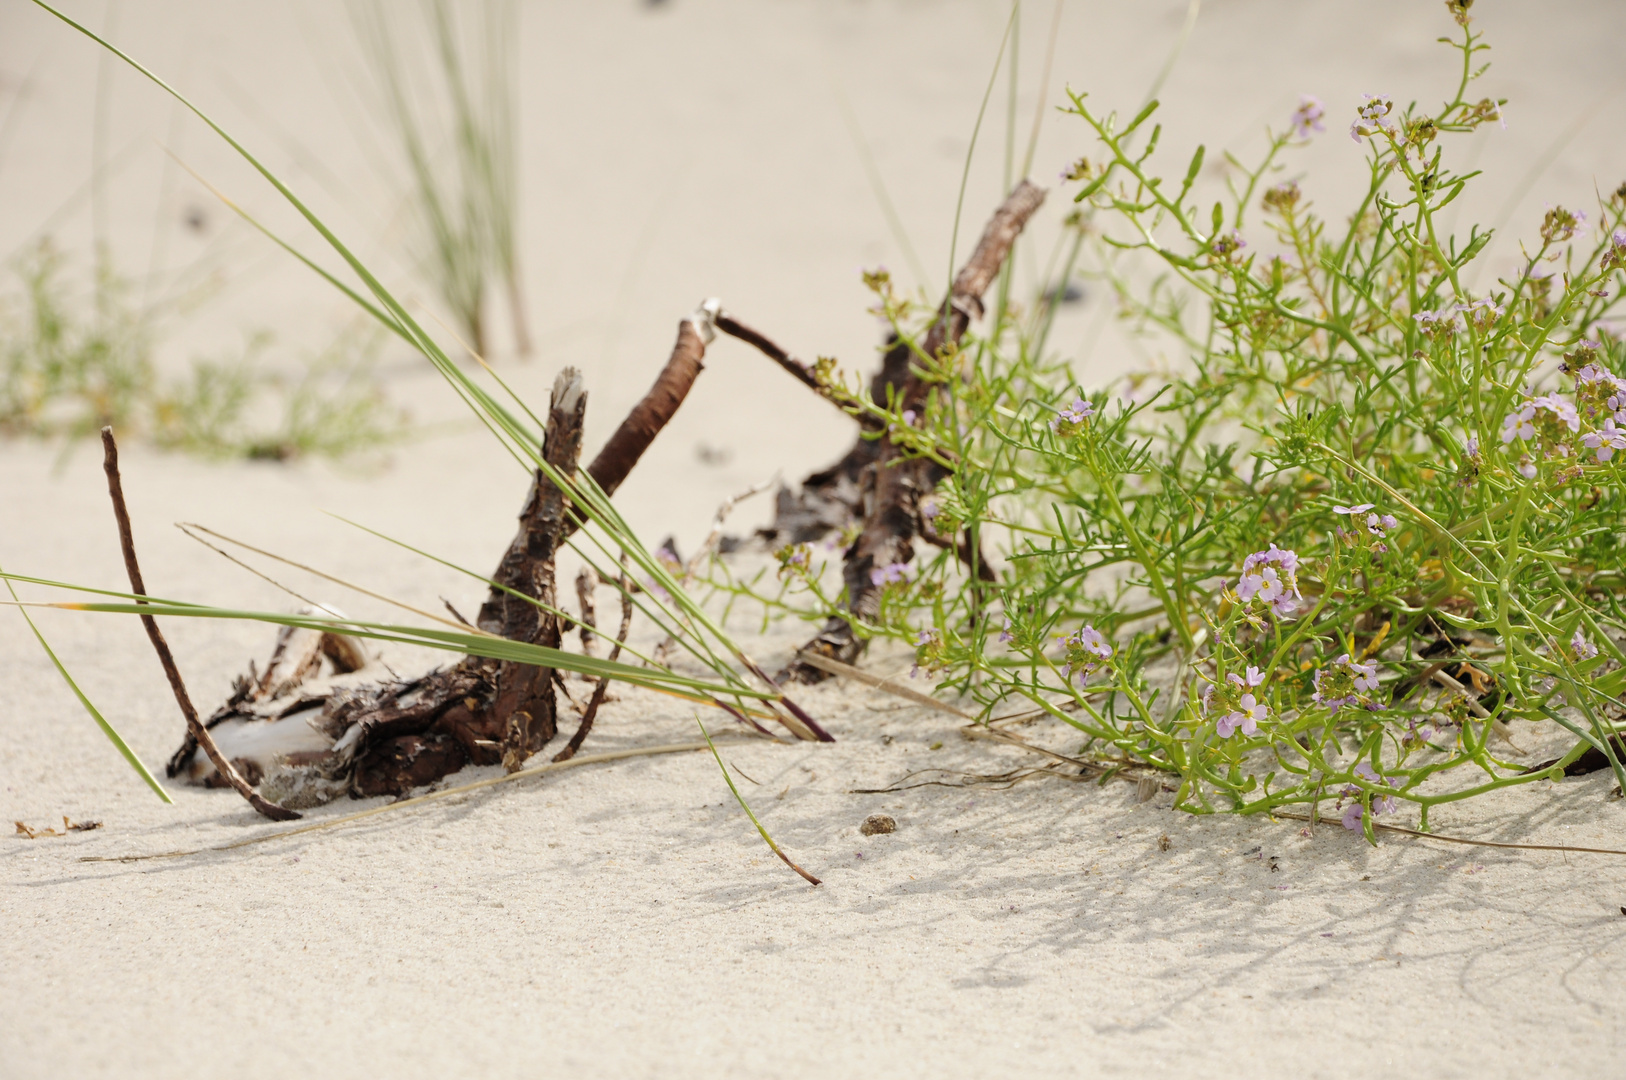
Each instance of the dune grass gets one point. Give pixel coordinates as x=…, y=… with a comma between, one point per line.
x=446, y=81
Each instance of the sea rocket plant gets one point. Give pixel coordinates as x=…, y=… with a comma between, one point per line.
x=1346, y=477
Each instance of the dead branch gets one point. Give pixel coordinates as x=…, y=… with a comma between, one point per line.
x=586, y=726
x=194, y=727
x=586, y=583
x=650, y=415
x=897, y=483
x=798, y=369
x=386, y=738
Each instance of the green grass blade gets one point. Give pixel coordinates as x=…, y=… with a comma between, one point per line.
x=729, y=780
x=474, y=644
x=102, y=722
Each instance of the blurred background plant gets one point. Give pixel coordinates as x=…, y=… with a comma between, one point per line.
x=444, y=78
x=72, y=363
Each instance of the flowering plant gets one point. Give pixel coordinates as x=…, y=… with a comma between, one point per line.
x=1355, y=538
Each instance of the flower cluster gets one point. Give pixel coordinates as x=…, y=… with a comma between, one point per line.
x=1600, y=393
x=928, y=653
x=1542, y=419
x=1282, y=198
x=1346, y=681
x=1087, y=648
x=1440, y=323
x=1227, y=246
x=1377, y=525
x=1078, y=170
x=795, y=560
x=1355, y=812
x=1454, y=318
x=1071, y=420
x=1372, y=118
x=1271, y=577
x=1616, y=255
x=890, y=574
x=1560, y=224
x=1240, y=709
x=1486, y=109
x=1307, y=117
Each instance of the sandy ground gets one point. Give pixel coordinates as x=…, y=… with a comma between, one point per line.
x=623, y=919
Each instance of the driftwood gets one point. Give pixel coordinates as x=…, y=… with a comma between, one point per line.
x=352, y=732
x=875, y=482
x=373, y=737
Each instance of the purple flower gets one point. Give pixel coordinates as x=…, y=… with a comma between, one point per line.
x=1560, y=224
x=1443, y=321
x=1271, y=576
x=889, y=574
x=1563, y=410
x=1366, y=675
x=1255, y=677
x=1226, y=247
x=1472, y=446
x=1090, y=640
x=1353, y=813
x=1371, y=117
x=1070, y=419
x=1379, y=525
x=1345, y=682
x=930, y=509
x=1005, y=634
x=1307, y=117
x=1583, y=648
x=1517, y=425
x=1527, y=469
x=1361, y=509
x=1484, y=312
x=1606, y=440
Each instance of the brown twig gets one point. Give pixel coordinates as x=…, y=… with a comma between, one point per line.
x=597, y=699
x=798, y=369
x=586, y=583
x=194, y=726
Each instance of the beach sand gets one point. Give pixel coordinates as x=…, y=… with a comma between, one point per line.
x=624, y=919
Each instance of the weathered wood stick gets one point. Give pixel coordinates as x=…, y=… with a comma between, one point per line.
x=115, y=488
x=525, y=701
x=651, y=414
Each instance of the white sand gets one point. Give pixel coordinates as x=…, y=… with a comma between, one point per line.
x=623, y=919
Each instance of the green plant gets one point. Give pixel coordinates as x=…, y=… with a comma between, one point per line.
x=70, y=365
x=1367, y=523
